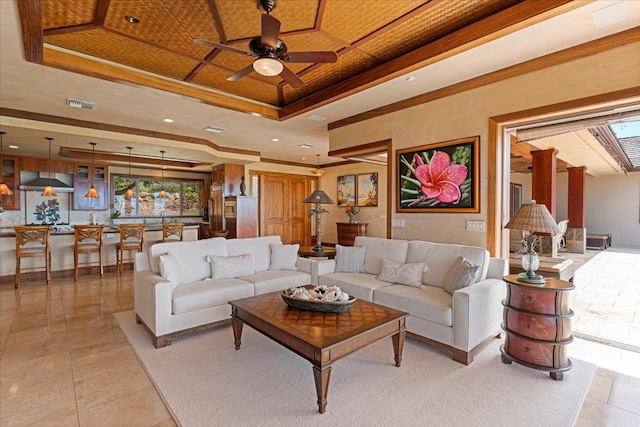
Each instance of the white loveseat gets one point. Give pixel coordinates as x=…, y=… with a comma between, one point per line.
x=187, y=299
x=461, y=322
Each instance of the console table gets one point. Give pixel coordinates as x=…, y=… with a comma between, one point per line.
x=537, y=322
x=347, y=232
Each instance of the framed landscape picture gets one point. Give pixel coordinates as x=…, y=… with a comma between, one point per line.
x=368, y=189
x=439, y=178
x=347, y=190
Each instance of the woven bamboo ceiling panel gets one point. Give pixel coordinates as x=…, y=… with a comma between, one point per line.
x=366, y=34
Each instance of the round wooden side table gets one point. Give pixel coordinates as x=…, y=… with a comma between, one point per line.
x=537, y=322
x=308, y=252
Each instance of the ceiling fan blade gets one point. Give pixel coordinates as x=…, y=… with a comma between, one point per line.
x=240, y=74
x=222, y=47
x=315, y=57
x=291, y=78
x=270, y=31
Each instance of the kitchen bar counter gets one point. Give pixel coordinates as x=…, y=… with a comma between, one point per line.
x=62, y=242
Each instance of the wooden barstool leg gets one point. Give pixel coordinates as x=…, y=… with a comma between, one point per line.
x=47, y=266
x=17, y=285
x=75, y=265
x=100, y=260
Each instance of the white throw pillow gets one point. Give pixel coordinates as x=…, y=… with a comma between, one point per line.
x=409, y=274
x=350, y=259
x=170, y=269
x=462, y=274
x=230, y=267
x=284, y=257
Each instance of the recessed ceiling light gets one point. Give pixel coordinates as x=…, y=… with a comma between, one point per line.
x=13, y=146
x=256, y=114
x=306, y=146
x=132, y=19
x=275, y=139
x=303, y=158
x=317, y=118
x=167, y=120
x=410, y=78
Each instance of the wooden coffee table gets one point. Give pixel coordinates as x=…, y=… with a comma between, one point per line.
x=321, y=338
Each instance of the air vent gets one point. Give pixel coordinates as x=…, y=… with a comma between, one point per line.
x=76, y=103
x=306, y=146
x=214, y=129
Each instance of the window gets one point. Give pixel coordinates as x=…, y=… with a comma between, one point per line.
x=184, y=197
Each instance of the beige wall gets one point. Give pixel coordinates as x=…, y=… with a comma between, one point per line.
x=467, y=114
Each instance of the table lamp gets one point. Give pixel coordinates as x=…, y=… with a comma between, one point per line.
x=534, y=218
x=318, y=197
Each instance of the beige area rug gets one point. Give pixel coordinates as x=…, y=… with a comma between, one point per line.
x=206, y=382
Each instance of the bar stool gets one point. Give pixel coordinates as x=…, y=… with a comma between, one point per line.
x=171, y=231
x=88, y=240
x=131, y=239
x=33, y=241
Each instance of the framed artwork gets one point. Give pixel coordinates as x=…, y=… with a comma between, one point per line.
x=515, y=198
x=439, y=178
x=347, y=190
x=367, y=189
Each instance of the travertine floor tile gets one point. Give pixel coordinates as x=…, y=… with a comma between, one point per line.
x=598, y=414
x=62, y=414
x=625, y=396
x=32, y=369
x=99, y=363
x=32, y=394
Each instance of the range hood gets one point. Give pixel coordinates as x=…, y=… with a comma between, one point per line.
x=43, y=180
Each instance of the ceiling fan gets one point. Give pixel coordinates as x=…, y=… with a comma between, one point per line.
x=271, y=52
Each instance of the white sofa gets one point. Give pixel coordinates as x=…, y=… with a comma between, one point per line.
x=461, y=322
x=187, y=299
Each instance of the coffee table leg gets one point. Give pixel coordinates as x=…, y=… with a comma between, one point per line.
x=237, y=331
x=398, y=345
x=321, y=375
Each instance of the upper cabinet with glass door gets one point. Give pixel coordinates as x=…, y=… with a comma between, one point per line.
x=85, y=175
x=11, y=177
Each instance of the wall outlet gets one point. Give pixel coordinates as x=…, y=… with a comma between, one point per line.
x=397, y=223
x=475, y=226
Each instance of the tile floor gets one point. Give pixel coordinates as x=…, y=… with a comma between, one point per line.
x=64, y=361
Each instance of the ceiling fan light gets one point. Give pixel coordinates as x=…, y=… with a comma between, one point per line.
x=268, y=66
x=48, y=191
x=5, y=190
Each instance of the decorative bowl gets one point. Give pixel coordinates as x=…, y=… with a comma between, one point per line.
x=323, y=307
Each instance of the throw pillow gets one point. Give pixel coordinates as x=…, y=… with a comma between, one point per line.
x=170, y=269
x=284, y=257
x=230, y=267
x=350, y=259
x=409, y=274
x=462, y=274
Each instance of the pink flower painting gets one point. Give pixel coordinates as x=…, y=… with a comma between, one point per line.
x=440, y=179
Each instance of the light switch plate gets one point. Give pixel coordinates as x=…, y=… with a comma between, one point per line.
x=397, y=223
x=475, y=226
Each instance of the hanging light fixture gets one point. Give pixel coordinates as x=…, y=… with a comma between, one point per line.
x=162, y=194
x=130, y=194
x=48, y=190
x=92, y=193
x=4, y=188
x=317, y=171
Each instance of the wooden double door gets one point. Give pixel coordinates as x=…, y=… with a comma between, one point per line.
x=282, y=211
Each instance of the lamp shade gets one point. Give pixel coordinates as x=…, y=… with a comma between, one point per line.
x=92, y=193
x=320, y=197
x=533, y=217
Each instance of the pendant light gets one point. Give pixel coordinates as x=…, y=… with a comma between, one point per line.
x=162, y=194
x=92, y=193
x=317, y=171
x=4, y=188
x=130, y=194
x=48, y=190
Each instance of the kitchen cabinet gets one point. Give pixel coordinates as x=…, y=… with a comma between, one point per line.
x=11, y=177
x=86, y=174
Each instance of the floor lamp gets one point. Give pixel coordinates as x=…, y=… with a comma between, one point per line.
x=318, y=197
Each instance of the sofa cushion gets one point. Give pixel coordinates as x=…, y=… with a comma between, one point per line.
x=192, y=254
x=378, y=249
x=441, y=257
x=404, y=274
x=276, y=280
x=360, y=285
x=428, y=303
x=350, y=259
x=229, y=267
x=258, y=247
x=170, y=269
x=208, y=293
x=283, y=257
x=462, y=274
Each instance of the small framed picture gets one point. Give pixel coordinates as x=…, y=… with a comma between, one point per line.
x=347, y=190
x=368, y=189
